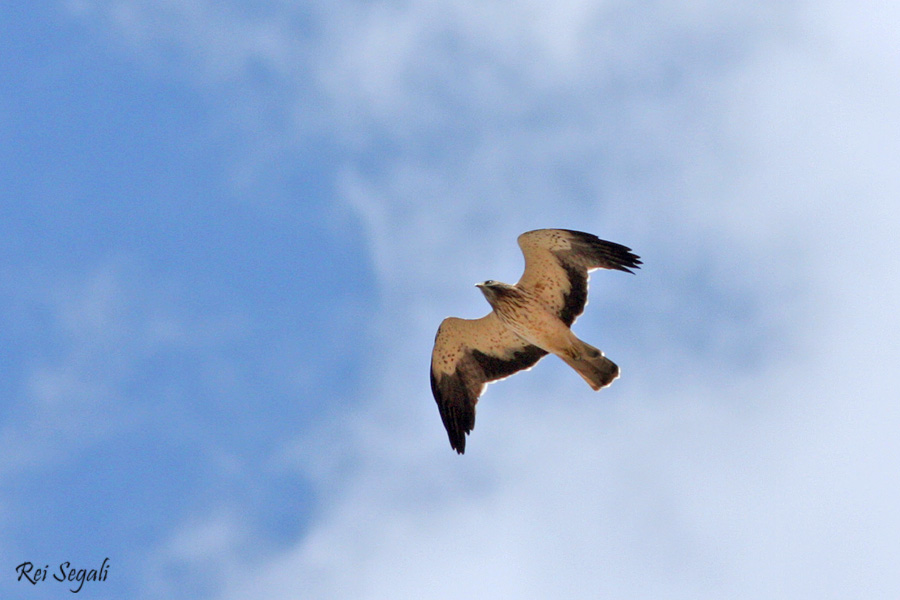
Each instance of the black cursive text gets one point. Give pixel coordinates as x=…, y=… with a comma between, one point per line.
x=35, y=575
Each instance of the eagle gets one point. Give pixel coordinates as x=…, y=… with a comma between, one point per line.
x=529, y=320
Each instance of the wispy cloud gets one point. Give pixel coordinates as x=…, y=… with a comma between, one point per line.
x=193, y=560
x=748, y=450
x=106, y=327
x=76, y=398
x=701, y=477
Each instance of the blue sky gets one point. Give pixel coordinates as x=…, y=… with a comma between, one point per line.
x=230, y=230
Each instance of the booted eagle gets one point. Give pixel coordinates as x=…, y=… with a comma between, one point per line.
x=529, y=320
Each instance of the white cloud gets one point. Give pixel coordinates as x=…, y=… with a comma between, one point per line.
x=365, y=72
x=191, y=562
x=701, y=480
x=744, y=155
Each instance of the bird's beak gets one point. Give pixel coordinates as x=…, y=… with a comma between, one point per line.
x=479, y=285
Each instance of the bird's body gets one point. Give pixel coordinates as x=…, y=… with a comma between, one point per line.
x=523, y=313
x=529, y=320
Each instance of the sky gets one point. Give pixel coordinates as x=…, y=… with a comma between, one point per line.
x=229, y=231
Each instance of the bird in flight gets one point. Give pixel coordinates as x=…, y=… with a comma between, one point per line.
x=529, y=320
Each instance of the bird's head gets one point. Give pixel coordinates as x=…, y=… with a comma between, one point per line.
x=493, y=290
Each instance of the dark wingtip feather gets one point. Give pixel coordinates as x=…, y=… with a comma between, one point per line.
x=613, y=255
x=457, y=410
x=633, y=261
x=628, y=259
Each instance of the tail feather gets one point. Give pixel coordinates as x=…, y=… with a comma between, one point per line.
x=590, y=363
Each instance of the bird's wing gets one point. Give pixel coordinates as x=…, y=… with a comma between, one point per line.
x=467, y=355
x=557, y=262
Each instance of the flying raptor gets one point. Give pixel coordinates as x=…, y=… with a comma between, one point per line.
x=529, y=320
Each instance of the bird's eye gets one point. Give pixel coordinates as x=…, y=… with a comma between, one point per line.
x=489, y=282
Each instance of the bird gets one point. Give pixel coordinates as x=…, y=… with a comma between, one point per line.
x=528, y=320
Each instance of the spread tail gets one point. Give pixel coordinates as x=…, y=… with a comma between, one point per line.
x=590, y=363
